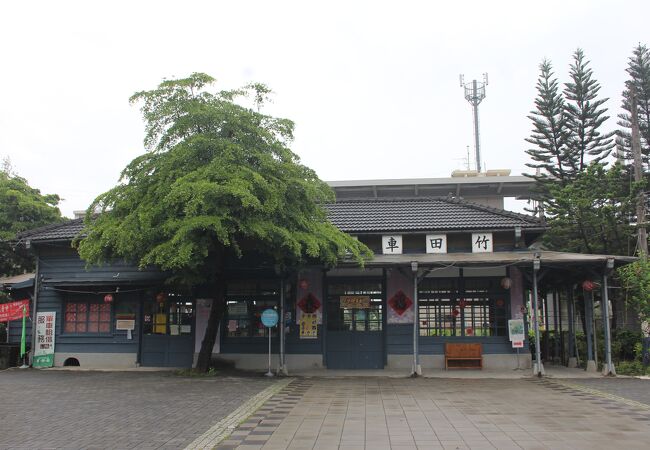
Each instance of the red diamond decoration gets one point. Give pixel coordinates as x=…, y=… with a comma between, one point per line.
x=309, y=304
x=400, y=302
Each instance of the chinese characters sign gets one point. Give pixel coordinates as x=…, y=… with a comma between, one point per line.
x=13, y=310
x=391, y=244
x=355, y=301
x=436, y=243
x=308, y=326
x=482, y=242
x=44, y=351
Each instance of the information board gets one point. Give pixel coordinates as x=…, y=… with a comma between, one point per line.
x=44, y=349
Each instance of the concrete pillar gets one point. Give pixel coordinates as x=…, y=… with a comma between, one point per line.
x=608, y=366
x=589, y=325
x=572, y=361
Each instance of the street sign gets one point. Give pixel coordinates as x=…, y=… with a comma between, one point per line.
x=269, y=317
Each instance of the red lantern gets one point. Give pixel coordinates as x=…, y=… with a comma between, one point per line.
x=500, y=302
x=108, y=298
x=469, y=331
x=160, y=297
x=303, y=284
x=506, y=283
x=588, y=285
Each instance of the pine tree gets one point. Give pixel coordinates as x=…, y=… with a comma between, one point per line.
x=639, y=71
x=549, y=132
x=584, y=115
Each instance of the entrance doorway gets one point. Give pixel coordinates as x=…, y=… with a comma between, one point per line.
x=355, y=324
x=168, y=332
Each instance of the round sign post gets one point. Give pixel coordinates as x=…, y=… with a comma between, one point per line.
x=269, y=320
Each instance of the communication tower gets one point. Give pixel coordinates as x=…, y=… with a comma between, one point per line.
x=474, y=94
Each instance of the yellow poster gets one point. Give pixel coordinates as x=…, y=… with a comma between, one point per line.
x=160, y=323
x=309, y=326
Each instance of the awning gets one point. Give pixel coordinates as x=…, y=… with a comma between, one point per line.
x=22, y=281
x=518, y=258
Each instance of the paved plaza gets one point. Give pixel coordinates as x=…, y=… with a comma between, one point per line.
x=383, y=413
x=86, y=410
x=114, y=410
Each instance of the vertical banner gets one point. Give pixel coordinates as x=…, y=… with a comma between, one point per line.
x=44, y=348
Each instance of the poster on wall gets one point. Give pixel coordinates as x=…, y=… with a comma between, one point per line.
x=309, y=304
x=44, y=350
x=400, y=308
x=308, y=326
x=516, y=330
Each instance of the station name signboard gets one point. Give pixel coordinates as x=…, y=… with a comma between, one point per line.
x=355, y=301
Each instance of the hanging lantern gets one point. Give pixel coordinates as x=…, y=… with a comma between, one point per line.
x=500, y=302
x=588, y=285
x=160, y=297
x=303, y=284
x=469, y=331
x=506, y=283
x=108, y=298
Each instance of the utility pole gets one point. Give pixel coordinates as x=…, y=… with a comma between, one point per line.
x=638, y=176
x=474, y=94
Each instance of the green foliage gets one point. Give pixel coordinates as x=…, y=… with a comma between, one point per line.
x=590, y=214
x=625, y=344
x=21, y=208
x=635, y=279
x=218, y=180
x=585, y=114
x=632, y=368
x=639, y=72
x=549, y=133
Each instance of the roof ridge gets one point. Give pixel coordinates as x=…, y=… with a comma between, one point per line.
x=49, y=227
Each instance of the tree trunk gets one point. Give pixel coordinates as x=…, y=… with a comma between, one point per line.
x=212, y=327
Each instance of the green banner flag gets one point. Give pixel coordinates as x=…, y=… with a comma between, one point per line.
x=22, y=336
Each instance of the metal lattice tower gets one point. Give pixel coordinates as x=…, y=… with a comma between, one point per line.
x=474, y=94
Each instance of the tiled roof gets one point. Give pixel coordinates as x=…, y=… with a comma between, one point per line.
x=55, y=232
x=423, y=214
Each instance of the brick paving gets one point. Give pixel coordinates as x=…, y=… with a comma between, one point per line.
x=114, y=410
x=383, y=413
x=635, y=389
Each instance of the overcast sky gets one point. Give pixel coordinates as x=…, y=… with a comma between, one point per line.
x=372, y=86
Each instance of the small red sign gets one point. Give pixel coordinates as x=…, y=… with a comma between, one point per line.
x=13, y=310
x=400, y=303
x=517, y=344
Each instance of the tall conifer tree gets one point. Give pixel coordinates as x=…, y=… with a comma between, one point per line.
x=549, y=135
x=639, y=71
x=584, y=115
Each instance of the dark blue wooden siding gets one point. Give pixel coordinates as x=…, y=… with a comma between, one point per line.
x=65, y=277
x=400, y=342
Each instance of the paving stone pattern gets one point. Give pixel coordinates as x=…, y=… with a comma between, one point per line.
x=635, y=389
x=114, y=410
x=383, y=413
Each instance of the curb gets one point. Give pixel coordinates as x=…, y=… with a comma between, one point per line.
x=222, y=429
x=598, y=393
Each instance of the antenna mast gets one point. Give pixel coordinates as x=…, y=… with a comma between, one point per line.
x=474, y=94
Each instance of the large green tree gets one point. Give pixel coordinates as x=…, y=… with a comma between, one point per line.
x=638, y=70
x=22, y=207
x=585, y=115
x=549, y=135
x=591, y=214
x=218, y=181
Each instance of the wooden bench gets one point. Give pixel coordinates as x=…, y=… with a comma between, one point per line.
x=463, y=356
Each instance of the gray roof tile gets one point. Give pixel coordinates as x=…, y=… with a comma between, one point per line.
x=423, y=214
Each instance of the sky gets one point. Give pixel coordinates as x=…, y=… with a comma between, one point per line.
x=373, y=87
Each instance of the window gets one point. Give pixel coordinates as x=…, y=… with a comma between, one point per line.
x=171, y=316
x=355, y=319
x=462, y=307
x=245, y=302
x=87, y=318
